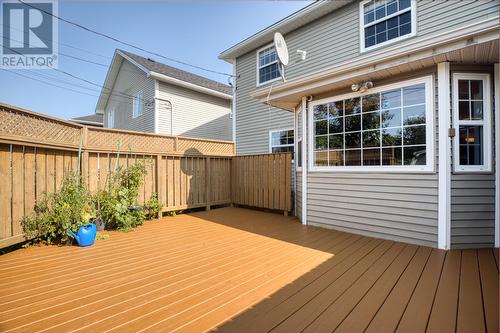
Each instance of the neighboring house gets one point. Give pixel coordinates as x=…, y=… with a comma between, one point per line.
x=412, y=158
x=144, y=95
x=95, y=120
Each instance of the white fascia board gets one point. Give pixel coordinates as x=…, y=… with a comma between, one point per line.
x=484, y=31
x=177, y=82
x=444, y=181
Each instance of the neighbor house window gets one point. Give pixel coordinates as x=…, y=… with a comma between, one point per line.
x=386, y=21
x=472, y=122
x=111, y=118
x=137, y=105
x=267, y=65
x=388, y=128
x=281, y=141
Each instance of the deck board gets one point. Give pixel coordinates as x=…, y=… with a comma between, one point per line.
x=239, y=270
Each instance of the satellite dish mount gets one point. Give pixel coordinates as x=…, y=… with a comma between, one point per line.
x=282, y=52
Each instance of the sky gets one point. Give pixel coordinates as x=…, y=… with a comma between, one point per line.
x=191, y=31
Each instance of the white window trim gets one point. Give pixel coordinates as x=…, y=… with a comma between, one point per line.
x=281, y=130
x=430, y=131
x=140, y=96
x=486, y=123
x=413, y=8
x=297, y=140
x=258, y=84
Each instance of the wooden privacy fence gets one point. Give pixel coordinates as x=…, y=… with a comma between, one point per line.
x=263, y=181
x=36, y=151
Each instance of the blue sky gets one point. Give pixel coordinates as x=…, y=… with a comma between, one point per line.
x=191, y=31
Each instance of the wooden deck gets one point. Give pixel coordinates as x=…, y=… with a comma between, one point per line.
x=237, y=270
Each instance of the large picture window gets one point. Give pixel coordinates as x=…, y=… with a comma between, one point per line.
x=386, y=21
x=267, y=65
x=389, y=128
x=472, y=150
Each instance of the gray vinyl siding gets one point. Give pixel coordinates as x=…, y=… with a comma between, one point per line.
x=195, y=114
x=130, y=81
x=331, y=40
x=254, y=120
x=473, y=194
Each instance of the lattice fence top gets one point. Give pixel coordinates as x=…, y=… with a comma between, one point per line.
x=18, y=124
x=22, y=126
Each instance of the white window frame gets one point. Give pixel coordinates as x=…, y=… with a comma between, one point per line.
x=430, y=131
x=280, y=130
x=258, y=67
x=486, y=123
x=412, y=8
x=111, y=119
x=298, y=139
x=138, y=98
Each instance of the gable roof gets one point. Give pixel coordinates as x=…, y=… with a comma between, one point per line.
x=293, y=21
x=160, y=72
x=92, y=119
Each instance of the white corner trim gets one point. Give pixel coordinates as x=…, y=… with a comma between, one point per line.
x=444, y=182
x=233, y=104
x=156, y=116
x=304, y=160
x=497, y=155
x=177, y=82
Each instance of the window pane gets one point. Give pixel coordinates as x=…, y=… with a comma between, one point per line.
x=284, y=138
x=371, y=120
x=463, y=110
x=391, y=137
x=404, y=4
x=321, y=158
x=392, y=7
x=476, y=89
x=414, y=95
x=463, y=89
x=471, y=145
x=369, y=17
x=321, y=127
x=371, y=102
x=414, y=135
x=320, y=112
x=475, y=155
x=299, y=153
x=336, y=109
x=391, y=99
x=477, y=110
x=381, y=37
x=413, y=115
x=321, y=142
x=353, y=157
x=370, y=31
x=391, y=118
x=371, y=139
x=414, y=155
x=353, y=140
x=353, y=123
x=391, y=156
x=405, y=29
x=336, y=158
x=352, y=105
x=370, y=41
x=371, y=156
x=336, y=125
x=336, y=141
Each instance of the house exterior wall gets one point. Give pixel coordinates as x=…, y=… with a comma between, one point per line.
x=331, y=40
x=195, y=114
x=473, y=194
x=130, y=81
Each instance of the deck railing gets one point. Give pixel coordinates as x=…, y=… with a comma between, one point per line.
x=36, y=151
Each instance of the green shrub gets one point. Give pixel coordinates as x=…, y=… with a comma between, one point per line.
x=152, y=207
x=70, y=208
x=117, y=203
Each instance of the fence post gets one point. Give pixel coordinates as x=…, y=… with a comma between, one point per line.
x=208, y=181
x=160, y=183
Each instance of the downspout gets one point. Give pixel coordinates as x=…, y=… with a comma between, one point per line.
x=304, y=160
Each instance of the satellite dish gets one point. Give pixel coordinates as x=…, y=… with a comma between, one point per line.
x=281, y=48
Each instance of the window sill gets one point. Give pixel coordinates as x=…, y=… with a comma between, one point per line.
x=376, y=169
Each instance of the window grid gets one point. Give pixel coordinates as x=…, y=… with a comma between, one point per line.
x=137, y=107
x=276, y=144
x=380, y=130
x=268, y=66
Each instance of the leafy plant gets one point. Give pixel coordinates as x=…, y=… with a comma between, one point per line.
x=101, y=237
x=70, y=208
x=152, y=207
x=118, y=201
